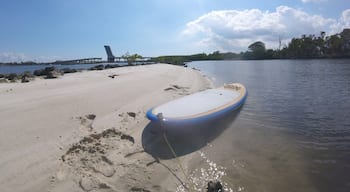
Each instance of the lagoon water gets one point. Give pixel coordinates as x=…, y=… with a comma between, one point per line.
x=293, y=132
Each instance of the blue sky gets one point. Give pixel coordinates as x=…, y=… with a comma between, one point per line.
x=45, y=30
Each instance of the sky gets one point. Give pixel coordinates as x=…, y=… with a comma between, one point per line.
x=49, y=30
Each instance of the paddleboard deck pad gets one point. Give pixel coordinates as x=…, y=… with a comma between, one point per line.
x=201, y=106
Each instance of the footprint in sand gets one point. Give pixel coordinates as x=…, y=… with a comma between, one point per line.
x=86, y=121
x=91, y=158
x=91, y=183
x=178, y=89
x=129, y=119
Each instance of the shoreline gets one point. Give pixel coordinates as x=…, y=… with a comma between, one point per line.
x=82, y=131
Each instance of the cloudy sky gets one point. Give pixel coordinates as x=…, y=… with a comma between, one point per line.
x=45, y=30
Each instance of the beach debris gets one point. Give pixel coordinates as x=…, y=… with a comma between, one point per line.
x=133, y=153
x=138, y=189
x=112, y=76
x=209, y=174
x=131, y=114
x=214, y=186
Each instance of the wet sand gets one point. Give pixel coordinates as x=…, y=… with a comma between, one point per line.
x=83, y=131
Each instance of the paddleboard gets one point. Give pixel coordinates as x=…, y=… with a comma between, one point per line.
x=201, y=106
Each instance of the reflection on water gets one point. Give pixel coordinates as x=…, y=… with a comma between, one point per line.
x=293, y=133
x=184, y=138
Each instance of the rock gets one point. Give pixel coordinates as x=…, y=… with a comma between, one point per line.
x=214, y=186
x=109, y=66
x=97, y=67
x=3, y=80
x=25, y=79
x=38, y=72
x=47, y=71
x=12, y=77
x=52, y=75
x=68, y=70
x=26, y=76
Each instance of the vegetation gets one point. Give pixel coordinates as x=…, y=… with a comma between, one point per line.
x=311, y=46
x=131, y=58
x=181, y=59
x=305, y=47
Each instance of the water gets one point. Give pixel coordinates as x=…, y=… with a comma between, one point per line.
x=293, y=133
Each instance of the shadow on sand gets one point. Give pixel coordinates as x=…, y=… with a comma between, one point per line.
x=184, y=139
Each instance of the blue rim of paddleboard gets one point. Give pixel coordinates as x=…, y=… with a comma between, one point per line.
x=153, y=117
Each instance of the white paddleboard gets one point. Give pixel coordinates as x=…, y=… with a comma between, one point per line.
x=201, y=106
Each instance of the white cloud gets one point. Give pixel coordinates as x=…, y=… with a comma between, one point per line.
x=233, y=30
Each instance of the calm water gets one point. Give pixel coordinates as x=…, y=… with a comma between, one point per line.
x=293, y=133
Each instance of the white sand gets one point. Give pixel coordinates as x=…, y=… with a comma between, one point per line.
x=40, y=121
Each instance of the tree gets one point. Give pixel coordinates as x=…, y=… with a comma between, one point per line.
x=257, y=50
x=131, y=58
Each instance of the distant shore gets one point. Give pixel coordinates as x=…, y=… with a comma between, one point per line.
x=82, y=131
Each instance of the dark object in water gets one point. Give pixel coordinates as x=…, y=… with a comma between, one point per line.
x=214, y=187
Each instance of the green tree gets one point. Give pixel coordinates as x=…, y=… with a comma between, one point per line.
x=131, y=58
x=256, y=50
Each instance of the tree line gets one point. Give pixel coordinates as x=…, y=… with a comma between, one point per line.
x=304, y=47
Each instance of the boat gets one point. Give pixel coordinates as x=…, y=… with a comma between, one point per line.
x=200, y=107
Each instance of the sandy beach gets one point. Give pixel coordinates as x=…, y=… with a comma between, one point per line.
x=82, y=131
